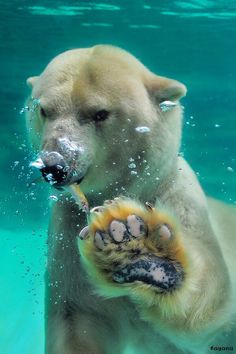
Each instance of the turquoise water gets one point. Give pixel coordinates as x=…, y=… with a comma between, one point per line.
x=192, y=41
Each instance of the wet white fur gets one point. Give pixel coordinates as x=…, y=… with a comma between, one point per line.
x=80, y=322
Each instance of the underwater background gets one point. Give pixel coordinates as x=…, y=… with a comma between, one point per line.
x=193, y=41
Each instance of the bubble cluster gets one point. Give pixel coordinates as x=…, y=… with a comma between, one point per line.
x=32, y=107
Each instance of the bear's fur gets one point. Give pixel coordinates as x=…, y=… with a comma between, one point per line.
x=113, y=158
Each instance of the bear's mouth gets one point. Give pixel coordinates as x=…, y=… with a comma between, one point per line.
x=58, y=174
x=59, y=180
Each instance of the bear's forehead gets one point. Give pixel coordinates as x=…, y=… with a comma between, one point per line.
x=93, y=67
x=97, y=57
x=88, y=82
x=88, y=78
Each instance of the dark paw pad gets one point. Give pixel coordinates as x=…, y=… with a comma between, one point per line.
x=155, y=271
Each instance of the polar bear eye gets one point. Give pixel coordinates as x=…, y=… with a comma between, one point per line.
x=101, y=115
x=43, y=112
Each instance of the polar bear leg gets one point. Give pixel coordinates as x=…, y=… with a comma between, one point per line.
x=70, y=336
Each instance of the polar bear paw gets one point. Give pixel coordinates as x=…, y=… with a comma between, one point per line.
x=126, y=244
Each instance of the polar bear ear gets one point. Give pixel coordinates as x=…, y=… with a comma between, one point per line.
x=163, y=88
x=31, y=81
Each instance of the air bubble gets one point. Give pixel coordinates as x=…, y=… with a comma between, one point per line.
x=49, y=177
x=16, y=163
x=24, y=109
x=142, y=129
x=37, y=163
x=53, y=198
x=32, y=108
x=132, y=165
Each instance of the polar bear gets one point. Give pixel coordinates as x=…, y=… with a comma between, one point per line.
x=154, y=269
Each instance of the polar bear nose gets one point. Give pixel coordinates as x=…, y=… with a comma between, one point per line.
x=54, y=174
x=53, y=168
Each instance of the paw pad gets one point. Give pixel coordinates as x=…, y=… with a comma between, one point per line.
x=151, y=270
x=164, y=232
x=136, y=226
x=118, y=231
x=100, y=240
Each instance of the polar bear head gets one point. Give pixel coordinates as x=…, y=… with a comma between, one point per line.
x=99, y=123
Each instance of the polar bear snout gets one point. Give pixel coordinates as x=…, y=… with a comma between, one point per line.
x=60, y=170
x=62, y=162
x=53, y=167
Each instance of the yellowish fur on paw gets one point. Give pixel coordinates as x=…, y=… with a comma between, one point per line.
x=134, y=250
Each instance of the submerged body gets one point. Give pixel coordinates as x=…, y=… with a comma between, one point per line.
x=92, y=104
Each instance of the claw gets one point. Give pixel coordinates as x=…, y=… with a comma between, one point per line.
x=84, y=233
x=108, y=202
x=149, y=206
x=97, y=209
x=117, y=199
